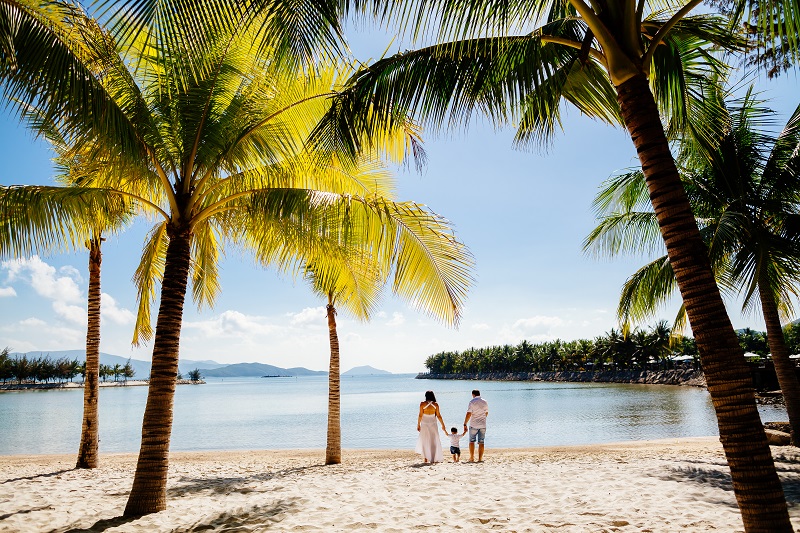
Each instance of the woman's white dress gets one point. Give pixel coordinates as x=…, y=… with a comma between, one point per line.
x=428, y=443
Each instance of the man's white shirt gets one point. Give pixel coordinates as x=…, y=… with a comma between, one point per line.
x=479, y=409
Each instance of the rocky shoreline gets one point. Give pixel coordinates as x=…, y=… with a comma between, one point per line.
x=689, y=377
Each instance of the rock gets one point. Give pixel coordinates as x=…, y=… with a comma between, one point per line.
x=778, y=426
x=777, y=438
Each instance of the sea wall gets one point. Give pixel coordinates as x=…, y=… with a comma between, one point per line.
x=687, y=376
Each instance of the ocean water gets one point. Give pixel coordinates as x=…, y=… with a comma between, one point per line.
x=377, y=412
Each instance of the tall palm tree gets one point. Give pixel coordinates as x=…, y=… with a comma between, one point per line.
x=47, y=219
x=745, y=194
x=196, y=128
x=632, y=62
x=90, y=430
x=430, y=267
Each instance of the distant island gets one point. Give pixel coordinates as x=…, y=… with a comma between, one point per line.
x=259, y=370
x=365, y=370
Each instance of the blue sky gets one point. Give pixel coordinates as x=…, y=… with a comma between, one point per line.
x=523, y=214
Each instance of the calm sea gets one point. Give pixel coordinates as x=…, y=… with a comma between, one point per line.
x=377, y=412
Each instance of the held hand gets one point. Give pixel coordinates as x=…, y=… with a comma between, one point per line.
x=417, y=427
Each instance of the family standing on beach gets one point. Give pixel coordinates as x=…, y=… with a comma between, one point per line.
x=430, y=446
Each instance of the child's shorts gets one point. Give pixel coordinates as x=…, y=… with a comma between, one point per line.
x=455, y=450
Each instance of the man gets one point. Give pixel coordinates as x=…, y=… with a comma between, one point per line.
x=477, y=411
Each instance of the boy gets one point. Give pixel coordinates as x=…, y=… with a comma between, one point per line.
x=455, y=447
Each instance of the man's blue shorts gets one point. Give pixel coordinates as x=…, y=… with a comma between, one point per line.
x=478, y=434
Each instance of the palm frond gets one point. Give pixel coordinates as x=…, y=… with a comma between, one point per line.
x=206, y=249
x=43, y=219
x=444, y=84
x=146, y=278
x=647, y=289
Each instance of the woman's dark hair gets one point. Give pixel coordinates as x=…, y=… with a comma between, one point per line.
x=429, y=396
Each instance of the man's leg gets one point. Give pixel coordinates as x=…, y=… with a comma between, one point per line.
x=480, y=452
x=471, y=452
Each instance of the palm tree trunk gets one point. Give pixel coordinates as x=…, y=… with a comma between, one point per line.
x=149, y=492
x=333, y=452
x=755, y=482
x=87, y=453
x=784, y=368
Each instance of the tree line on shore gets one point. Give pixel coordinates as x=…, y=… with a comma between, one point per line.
x=33, y=370
x=640, y=349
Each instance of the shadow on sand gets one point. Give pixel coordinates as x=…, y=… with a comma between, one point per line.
x=253, y=518
x=224, y=485
x=29, y=478
x=100, y=525
x=718, y=476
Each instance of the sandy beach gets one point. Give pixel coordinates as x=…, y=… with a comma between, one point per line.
x=656, y=486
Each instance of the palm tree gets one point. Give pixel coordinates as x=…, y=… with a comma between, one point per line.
x=33, y=219
x=745, y=194
x=431, y=268
x=49, y=219
x=90, y=428
x=201, y=132
x=637, y=63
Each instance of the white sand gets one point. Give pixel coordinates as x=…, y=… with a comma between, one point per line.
x=659, y=486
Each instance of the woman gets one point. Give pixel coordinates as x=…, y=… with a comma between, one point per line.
x=428, y=443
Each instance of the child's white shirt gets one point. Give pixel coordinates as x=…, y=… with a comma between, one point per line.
x=454, y=439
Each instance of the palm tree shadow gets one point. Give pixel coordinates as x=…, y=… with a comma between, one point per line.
x=224, y=485
x=254, y=518
x=104, y=524
x=29, y=478
x=711, y=476
x=23, y=511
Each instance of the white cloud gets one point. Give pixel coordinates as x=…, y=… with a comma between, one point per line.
x=46, y=337
x=62, y=286
x=382, y=314
x=109, y=310
x=308, y=316
x=480, y=326
x=72, y=313
x=397, y=319
x=7, y=292
x=233, y=324
x=537, y=326
x=44, y=280
x=352, y=338
x=32, y=322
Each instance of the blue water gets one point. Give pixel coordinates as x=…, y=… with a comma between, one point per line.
x=377, y=412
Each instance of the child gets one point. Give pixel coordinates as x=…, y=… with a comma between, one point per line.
x=455, y=448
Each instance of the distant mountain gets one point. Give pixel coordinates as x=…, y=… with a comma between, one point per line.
x=258, y=370
x=207, y=368
x=200, y=364
x=302, y=371
x=365, y=370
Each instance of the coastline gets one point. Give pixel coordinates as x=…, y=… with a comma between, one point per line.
x=687, y=377
x=664, y=485
x=77, y=385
